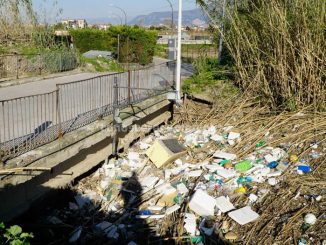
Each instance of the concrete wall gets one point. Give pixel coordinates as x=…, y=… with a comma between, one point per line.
x=76, y=154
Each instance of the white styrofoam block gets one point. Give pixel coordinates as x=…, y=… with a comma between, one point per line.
x=149, y=181
x=243, y=215
x=172, y=209
x=195, y=173
x=217, y=138
x=226, y=173
x=224, y=204
x=202, y=204
x=233, y=136
x=270, y=158
x=182, y=188
x=224, y=155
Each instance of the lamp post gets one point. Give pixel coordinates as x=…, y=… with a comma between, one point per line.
x=118, y=17
x=122, y=10
x=178, y=68
x=172, y=20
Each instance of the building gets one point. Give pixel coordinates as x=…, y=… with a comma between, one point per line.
x=74, y=23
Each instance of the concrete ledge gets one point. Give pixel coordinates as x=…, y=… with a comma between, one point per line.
x=76, y=153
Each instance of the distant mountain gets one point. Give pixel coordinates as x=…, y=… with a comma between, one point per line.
x=193, y=17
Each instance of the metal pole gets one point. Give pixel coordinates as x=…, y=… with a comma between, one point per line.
x=116, y=122
x=118, y=48
x=129, y=87
x=172, y=20
x=60, y=132
x=220, y=47
x=178, y=72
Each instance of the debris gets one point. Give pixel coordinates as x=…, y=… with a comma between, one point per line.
x=224, y=155
x=202, y=204
x=190, y=223
x=293, y=158
x=75, y=235
x=165, y=151
x=231, y=236
x=233, y=136
x=243, y=166
x=243, y=215
x=310, y=219
x=224, y=204
x=172, y=209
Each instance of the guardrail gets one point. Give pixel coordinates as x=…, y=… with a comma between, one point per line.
x=17, y=65
x=29, y=122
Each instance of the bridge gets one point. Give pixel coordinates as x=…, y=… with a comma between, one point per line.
x=58, y=135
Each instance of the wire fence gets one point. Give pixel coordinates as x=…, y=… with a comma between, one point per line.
x=29, y=122
x=17, y=65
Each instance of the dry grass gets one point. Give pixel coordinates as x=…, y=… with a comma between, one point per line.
x=279, y=49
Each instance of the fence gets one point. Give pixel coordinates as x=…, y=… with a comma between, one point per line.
x=29, y=122
x=15, y=66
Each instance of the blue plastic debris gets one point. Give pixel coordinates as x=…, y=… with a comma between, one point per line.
x=305, y=169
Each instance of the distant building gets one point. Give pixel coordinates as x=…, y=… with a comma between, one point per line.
x=74, y=23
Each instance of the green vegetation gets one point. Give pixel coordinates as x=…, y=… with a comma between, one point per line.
x=207, y=75
x=137, y=45
x=101, y=64
x=14, y=235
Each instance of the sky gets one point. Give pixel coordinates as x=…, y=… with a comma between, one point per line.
x=101, y=8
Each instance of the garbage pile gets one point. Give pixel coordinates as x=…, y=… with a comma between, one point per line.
x=183, y=184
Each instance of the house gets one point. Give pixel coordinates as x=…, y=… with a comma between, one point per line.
x=74, y=23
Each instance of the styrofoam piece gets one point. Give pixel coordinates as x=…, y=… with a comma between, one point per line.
x=155, y=208
x=225, y=155
x=252, y=198
x=144, y=146
x=195, y=173
x=102, y=226
x=149, y=181
x=243, y=215
x=178, y=162
x=165, y=189
x=274, y=174
x=190, y=223
x=217, y=138
x=182, y=188
x=226, y=173
x=172, y=209
x=270, y=158
x=231, y=142
x=213, y=167
x=224, y=204
x=202, y=204
x=150, y=216
x=133, y=156
x=233, y=136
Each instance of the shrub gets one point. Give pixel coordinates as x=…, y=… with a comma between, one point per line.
x=137, y=45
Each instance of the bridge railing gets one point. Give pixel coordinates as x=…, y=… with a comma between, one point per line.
x=32, y=121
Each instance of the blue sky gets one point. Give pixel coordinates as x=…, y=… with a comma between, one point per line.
x=101, y=8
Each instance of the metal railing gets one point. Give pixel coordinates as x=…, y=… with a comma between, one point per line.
x=29, y=122
x=18, y=65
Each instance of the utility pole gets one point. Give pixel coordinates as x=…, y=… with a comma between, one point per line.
x=178, y=69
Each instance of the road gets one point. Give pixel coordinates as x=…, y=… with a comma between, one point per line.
x=40, y=87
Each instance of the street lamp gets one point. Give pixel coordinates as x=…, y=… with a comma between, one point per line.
x=118, y=17
x=122, y=10
x=172, y=21
x=178, y=69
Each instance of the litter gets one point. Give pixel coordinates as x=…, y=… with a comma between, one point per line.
x=310, y=219
x=165, y=151
x=202, y=204
x=224, y=155
x=224, y=204
x=75, y=235
x=243, y=215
